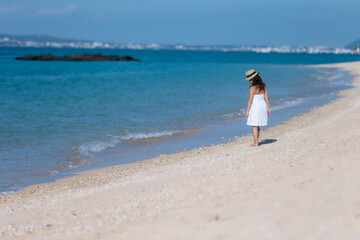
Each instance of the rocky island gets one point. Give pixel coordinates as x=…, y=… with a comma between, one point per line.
x=78, y=57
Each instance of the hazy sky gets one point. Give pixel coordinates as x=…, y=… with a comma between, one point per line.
x=235, y=22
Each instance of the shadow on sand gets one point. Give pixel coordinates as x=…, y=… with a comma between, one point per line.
x=267, y=141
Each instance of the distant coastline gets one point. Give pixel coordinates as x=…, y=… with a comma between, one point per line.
x=43, y=41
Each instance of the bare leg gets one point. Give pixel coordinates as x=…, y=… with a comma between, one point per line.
x=258, y=133
x=255, y=135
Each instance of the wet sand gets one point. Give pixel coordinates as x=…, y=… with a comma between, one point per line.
x=301, y=183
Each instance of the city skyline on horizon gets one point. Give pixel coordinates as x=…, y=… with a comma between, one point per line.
x=53, y=40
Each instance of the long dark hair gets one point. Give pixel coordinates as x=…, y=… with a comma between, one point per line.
x=258, y=83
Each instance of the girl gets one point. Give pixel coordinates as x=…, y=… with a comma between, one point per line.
x=258, y=107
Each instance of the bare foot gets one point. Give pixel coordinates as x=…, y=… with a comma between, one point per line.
x=253, y=145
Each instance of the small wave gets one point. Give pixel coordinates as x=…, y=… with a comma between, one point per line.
x=74, y=162
x=341, y=79
x=286, y=104
x=331, y=75
x=111, y=141
x=234, y=115
x=6, y=192
x=136, y=136
x=97, y=146
x=54, y=172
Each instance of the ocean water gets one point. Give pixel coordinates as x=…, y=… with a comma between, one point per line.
x=57, y=118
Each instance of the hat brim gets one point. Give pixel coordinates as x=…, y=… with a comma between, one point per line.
x=249, y=78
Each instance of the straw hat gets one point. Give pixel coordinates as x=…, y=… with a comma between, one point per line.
x=251, y=74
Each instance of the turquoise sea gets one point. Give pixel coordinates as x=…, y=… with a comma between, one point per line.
x=57, y=118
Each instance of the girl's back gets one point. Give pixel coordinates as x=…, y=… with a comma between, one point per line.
x=258, y=91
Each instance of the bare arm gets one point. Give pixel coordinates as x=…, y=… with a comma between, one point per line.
x=267, y=100
x=251, y=96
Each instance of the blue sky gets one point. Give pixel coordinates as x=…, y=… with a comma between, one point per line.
x=236, y=22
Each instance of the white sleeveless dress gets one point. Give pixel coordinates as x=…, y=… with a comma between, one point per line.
x=258, y=111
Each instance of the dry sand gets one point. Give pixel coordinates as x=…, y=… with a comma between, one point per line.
x=303, y=183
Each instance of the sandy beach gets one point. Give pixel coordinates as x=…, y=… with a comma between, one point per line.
x=302, y=182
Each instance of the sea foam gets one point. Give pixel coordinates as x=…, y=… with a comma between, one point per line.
x=289, y=103
x=111, y=141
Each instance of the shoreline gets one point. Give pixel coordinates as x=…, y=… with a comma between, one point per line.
x=92, y=140
x=194, y=180
x=219, y=133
